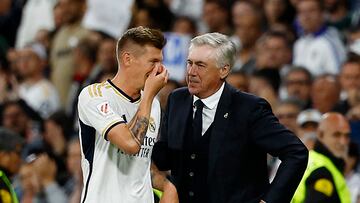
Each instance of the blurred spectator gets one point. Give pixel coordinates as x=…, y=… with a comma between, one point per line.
x=184, y=25
x=350, y=77
x=57, y=131
x=37, y=91
x=265, y=83
x=38, y=180
x=354, y=117
x=339, y=14
x=287, y=111
x=141, y=17
x=325, y=93
x=8, y=86
x=10, y=17
x=273, y=51
x=190, y=8
x=319, y=48
x=308, y=122
x=351, y=174
x=278, y=12
x=105, y=61
x=84, y=61
x=247, y=24
x=109, y=16
x=350, y=86
x=19, y=118
x=37, y=14
x=74, y=185
x=323, y=180
x=238, y=80
x=11, y=145
x=65, y=40
x=216, y=16
x=158, y=15
x=297, y=83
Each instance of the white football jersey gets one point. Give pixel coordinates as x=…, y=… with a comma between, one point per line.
x=110, y=175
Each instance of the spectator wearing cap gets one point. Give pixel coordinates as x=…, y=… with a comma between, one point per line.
x=38, y=92
x=11, y=145
x=308, y=121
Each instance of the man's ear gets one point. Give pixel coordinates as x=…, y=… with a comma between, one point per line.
x=125, y=57
x=224, y=71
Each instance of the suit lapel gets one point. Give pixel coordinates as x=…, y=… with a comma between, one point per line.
x=220, y=124
x=183, y=108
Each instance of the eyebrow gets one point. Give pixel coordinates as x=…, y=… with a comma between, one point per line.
x=197, y=62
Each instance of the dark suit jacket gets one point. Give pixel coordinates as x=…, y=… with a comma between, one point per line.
x=244, y=131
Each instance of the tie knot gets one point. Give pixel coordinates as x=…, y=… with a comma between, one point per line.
x=199, y=104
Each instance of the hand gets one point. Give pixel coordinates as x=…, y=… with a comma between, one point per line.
x=46, y=169
x=169, y=194
x=156, y=80
x=262, y=201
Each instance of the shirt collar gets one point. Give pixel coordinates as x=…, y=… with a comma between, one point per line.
x=211, y=101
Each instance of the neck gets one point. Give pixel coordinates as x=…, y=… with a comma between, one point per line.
x=34, y=79
x=122, y=81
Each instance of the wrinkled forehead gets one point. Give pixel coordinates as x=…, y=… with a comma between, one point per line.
x=201, y=53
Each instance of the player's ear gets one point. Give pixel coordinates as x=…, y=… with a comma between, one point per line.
x=125, y=57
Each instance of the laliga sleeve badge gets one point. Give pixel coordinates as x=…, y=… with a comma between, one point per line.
x=104, y=109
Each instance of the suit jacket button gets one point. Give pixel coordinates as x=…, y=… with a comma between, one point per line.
x=191, y=193
x=191, y=174
x=192, y=156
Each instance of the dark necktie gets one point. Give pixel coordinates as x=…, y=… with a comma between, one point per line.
x=197, y=122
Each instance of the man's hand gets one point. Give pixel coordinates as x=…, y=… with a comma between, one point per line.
x=156, y=80
x=169, y=194
x=160, y=182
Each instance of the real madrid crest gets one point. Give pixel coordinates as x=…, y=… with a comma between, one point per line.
x=152, y=125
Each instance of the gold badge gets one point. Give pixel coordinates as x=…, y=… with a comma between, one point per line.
x=152, y=125
x=324, y=186
x=5, y=196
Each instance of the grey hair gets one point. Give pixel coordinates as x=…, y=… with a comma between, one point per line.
x=225, y=49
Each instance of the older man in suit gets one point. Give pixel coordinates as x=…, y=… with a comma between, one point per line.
x=215, y=139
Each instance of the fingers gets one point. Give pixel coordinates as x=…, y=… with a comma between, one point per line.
x=155, y=71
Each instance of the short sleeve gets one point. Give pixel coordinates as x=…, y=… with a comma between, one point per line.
x=98, y=112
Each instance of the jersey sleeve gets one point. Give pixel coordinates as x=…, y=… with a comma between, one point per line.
x=97, y=112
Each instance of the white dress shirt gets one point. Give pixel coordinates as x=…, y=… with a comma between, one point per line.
x=209, y=110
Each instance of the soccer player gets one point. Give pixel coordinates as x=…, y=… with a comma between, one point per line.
x=119, y=122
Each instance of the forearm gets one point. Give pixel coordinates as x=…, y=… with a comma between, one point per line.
x=158, y=178
x=139, y=124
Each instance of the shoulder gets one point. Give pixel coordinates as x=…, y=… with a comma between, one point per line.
x=245, y=99
x=321, y=180
x=93, y=92
x=321, y=174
